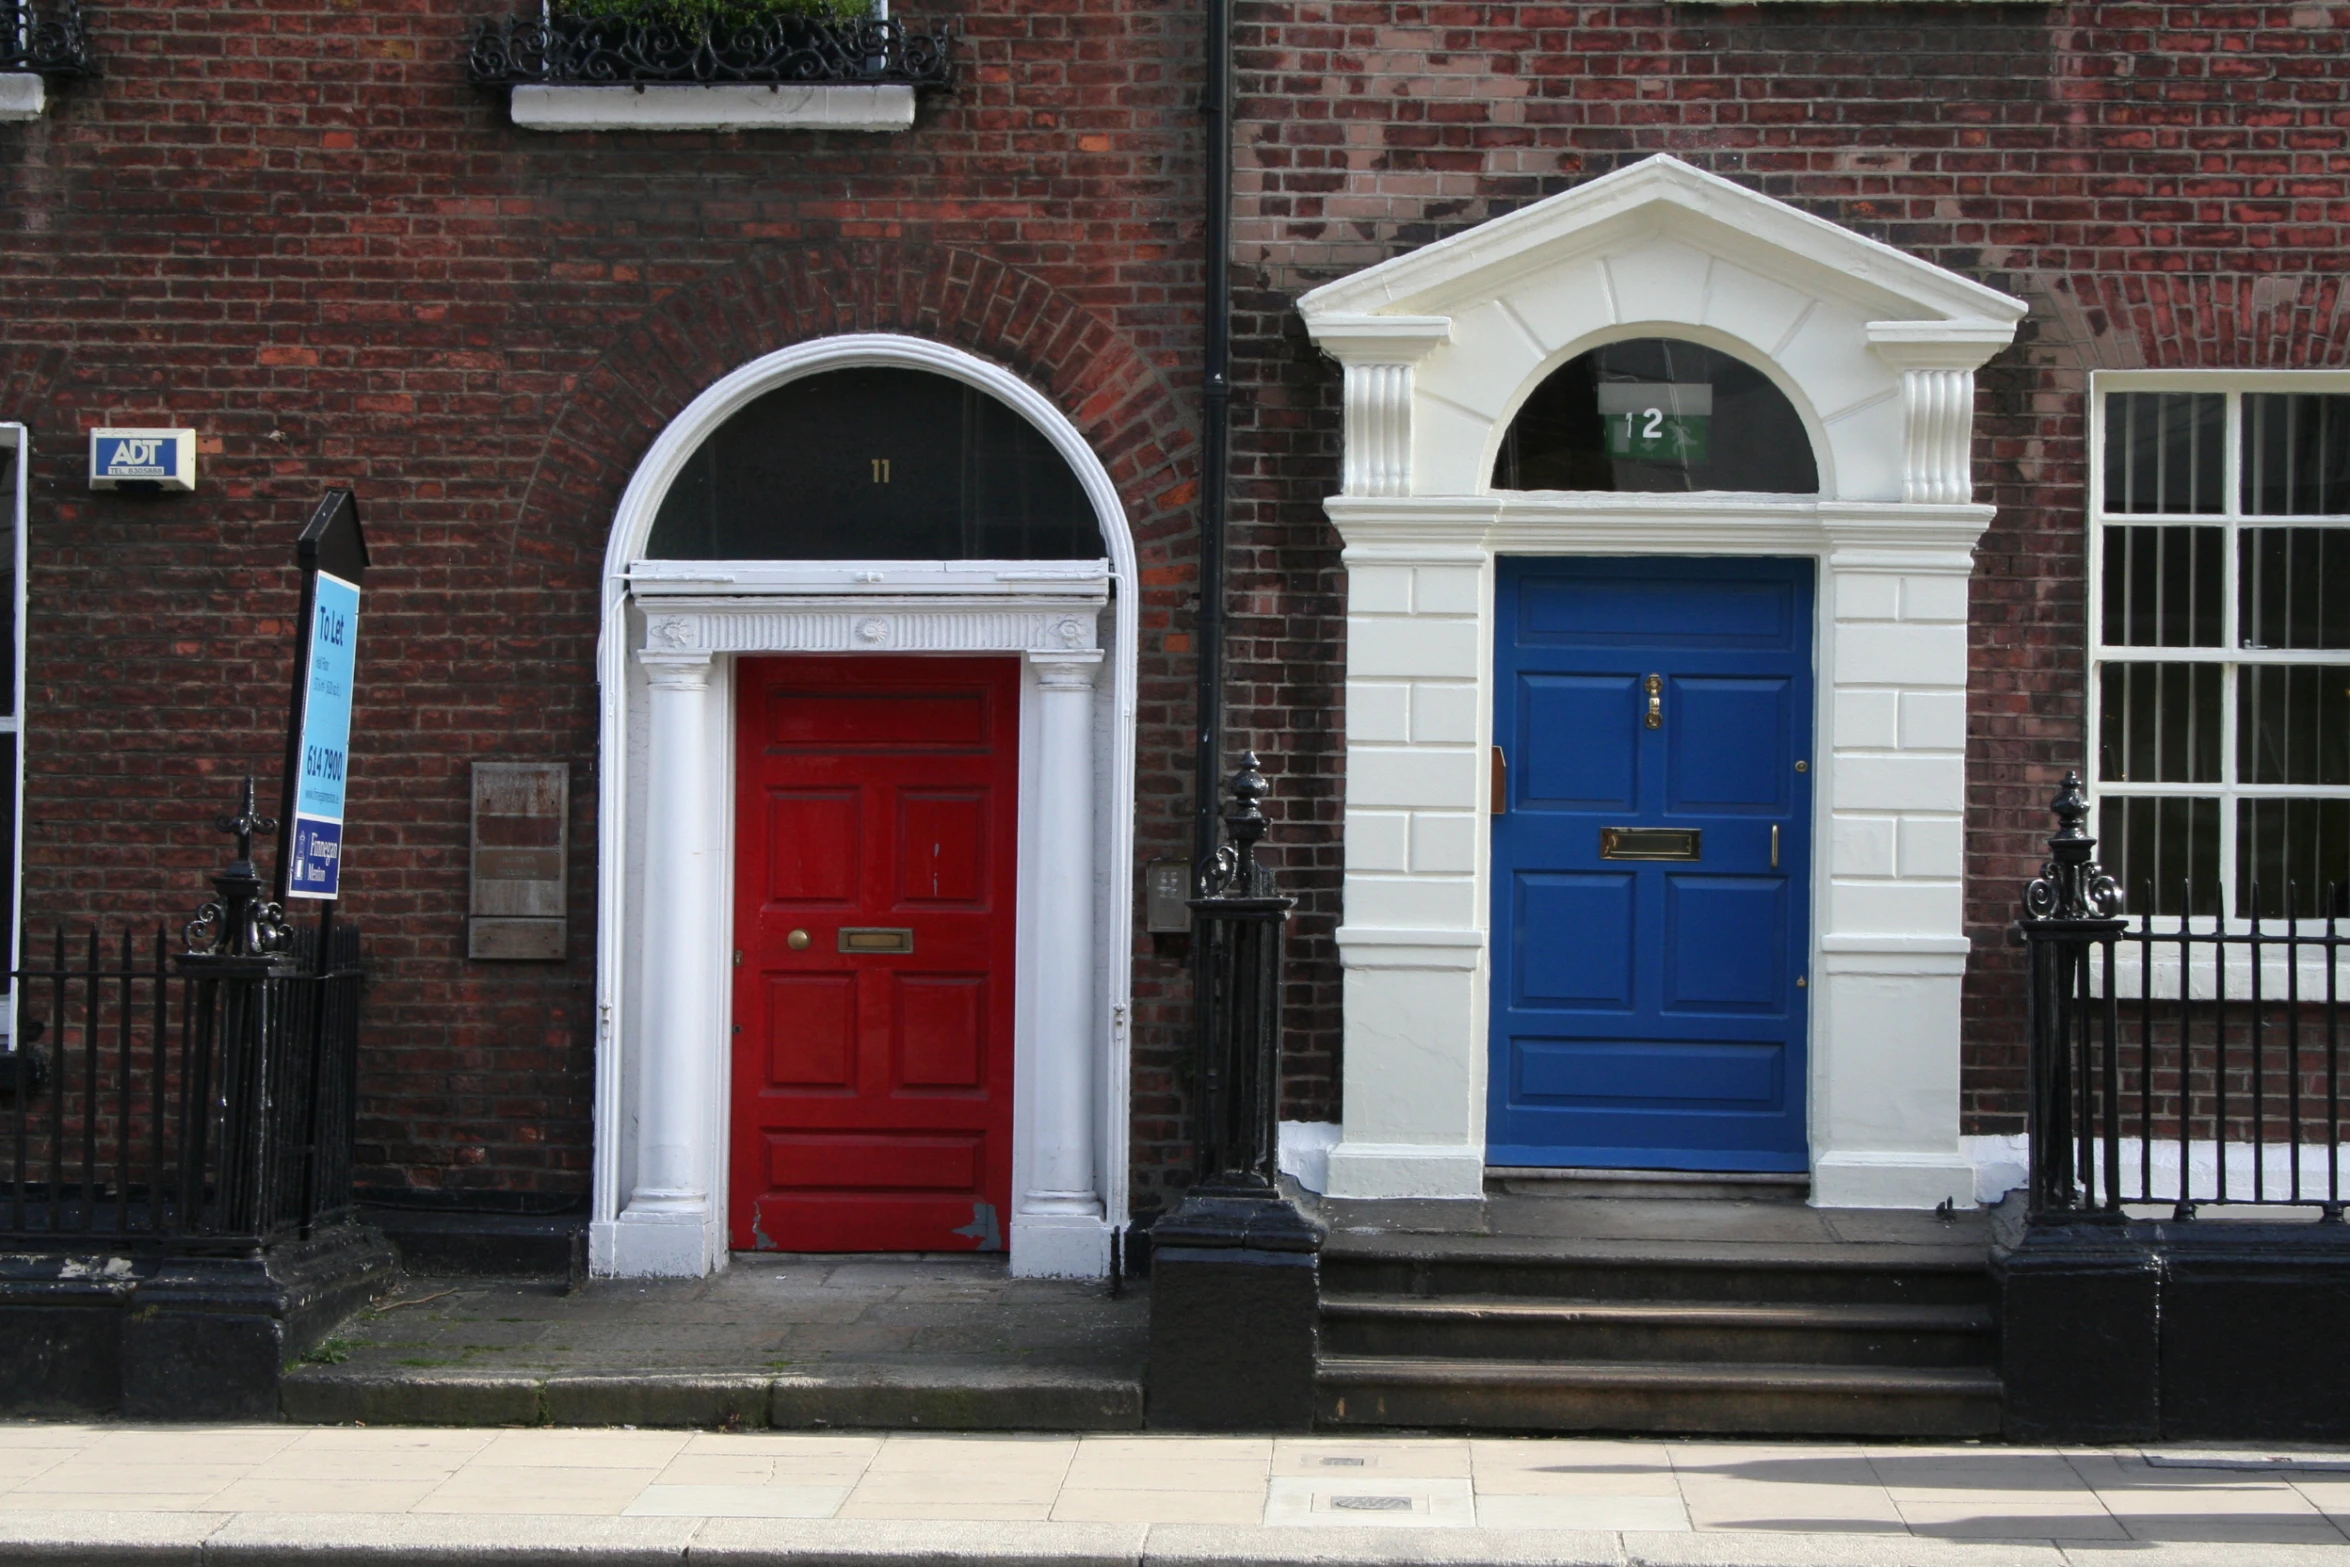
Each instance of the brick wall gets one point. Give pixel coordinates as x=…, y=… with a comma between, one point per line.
x=294, y=226
x=2166, y=184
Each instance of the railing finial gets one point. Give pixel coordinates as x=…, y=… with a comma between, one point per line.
x=238, y=922
x=2071, y=884
x=1234, y=872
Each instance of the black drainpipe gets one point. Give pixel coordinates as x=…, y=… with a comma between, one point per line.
x=1215, y=430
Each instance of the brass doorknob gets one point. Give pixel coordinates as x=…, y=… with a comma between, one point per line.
x=797, y=941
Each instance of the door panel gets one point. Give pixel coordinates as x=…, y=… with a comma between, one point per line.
x=1594, y=974
x=1647, y=1010
x=873, y=1085
x=1729, y=745
x=1557, y=770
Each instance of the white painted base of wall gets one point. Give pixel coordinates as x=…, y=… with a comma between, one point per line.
x=1405, y=1170
x=23, y=96
x=1999, y=1168
x=1305, y=1152
x=1998, y=1163
x=652, y=1246
x=1890, y=1180
x=724, y=106
x=1053, y=1248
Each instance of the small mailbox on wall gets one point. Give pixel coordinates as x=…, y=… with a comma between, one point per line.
x=521, y=843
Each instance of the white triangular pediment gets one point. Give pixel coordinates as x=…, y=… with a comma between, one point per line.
x=1662, y=196
x=1461, y=331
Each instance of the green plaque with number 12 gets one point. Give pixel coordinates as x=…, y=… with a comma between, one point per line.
x=1652, y=433
x=1656, y=421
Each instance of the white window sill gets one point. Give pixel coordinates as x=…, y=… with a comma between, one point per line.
x=23, y=96
x=722, y=106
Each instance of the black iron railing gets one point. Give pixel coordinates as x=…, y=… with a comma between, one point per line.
x=199, y=1099
x=1238, y=921
x=557, y=50
x=2173, y=1066
x=45, y=39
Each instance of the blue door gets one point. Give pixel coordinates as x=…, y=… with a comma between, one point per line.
x=1651, y=859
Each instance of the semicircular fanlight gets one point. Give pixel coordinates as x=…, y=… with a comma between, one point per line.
x=1657, y=414
x=876, y=463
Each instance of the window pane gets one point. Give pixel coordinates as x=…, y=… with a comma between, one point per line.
x=2293, y=724
x=2159, y=723
x=2163, y=451
x=2165, y=587
x=1655, y=413
x=2296, y=454
x=2295, y=588
x=876, y=464
x=2165, y=853
x=2299, y=848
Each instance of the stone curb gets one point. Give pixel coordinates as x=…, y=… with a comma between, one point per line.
x=870, y=1397
x=181, y=1539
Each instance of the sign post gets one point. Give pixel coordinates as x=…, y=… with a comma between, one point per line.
x=332, y=552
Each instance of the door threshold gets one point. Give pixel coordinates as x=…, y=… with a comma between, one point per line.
x=1679, y=1185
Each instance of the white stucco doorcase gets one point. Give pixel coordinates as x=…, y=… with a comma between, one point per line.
x=672, y=630
x=1877, y=351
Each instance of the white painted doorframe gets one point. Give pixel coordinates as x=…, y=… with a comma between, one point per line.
x=671, y=632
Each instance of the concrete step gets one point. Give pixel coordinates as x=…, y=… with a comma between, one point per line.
x=1508, y=1266
x=857, y=1396
x=1521, y=1329
x=1671, y=1185
x=1518, y=1395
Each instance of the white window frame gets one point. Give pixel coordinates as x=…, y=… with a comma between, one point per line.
x=2233, y=520
x=17, y=439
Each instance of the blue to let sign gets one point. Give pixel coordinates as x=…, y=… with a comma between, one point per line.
x=323, y=743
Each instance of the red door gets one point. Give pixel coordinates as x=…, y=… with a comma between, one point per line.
x=875, y=832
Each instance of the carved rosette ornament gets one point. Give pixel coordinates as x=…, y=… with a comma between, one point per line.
x=2072, y=885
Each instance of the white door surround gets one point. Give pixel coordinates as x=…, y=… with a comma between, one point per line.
x=1877, y=350
x=671, y=633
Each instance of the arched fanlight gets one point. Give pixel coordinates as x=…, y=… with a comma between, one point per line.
x=876, y=463
x=1657, y=414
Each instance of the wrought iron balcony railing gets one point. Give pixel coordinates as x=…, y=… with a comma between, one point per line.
x=47, y=40
x=610, y=51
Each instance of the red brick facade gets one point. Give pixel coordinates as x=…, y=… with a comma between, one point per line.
x=298, y=229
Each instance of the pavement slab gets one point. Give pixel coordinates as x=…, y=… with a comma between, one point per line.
x=522, y=1495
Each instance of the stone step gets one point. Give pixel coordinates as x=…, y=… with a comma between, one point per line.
x=1521, y=1329
x=1501, y=1395
x=863, y=1395
x=1616, y=1185
x=1595, y=1271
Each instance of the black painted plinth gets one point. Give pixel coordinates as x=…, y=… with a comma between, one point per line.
x=2080, y=1335
x=2212, y=1330
x=176, y=1338
x=1235, y=1294
x=2253, y=1319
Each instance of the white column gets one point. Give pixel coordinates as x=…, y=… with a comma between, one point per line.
x=663, y=1229
x=1418, y=697
x=1061, y=1176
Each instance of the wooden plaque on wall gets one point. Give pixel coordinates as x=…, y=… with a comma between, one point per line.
x=521, y=844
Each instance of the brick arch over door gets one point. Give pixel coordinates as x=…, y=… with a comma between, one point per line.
x=1119, y=401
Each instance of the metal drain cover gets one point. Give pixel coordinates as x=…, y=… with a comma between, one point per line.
x=1372, y=1504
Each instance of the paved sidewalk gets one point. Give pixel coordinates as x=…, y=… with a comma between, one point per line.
x=91, y=1493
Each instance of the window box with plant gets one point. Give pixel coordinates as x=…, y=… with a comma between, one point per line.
x=711, y=65
x=39, y=44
